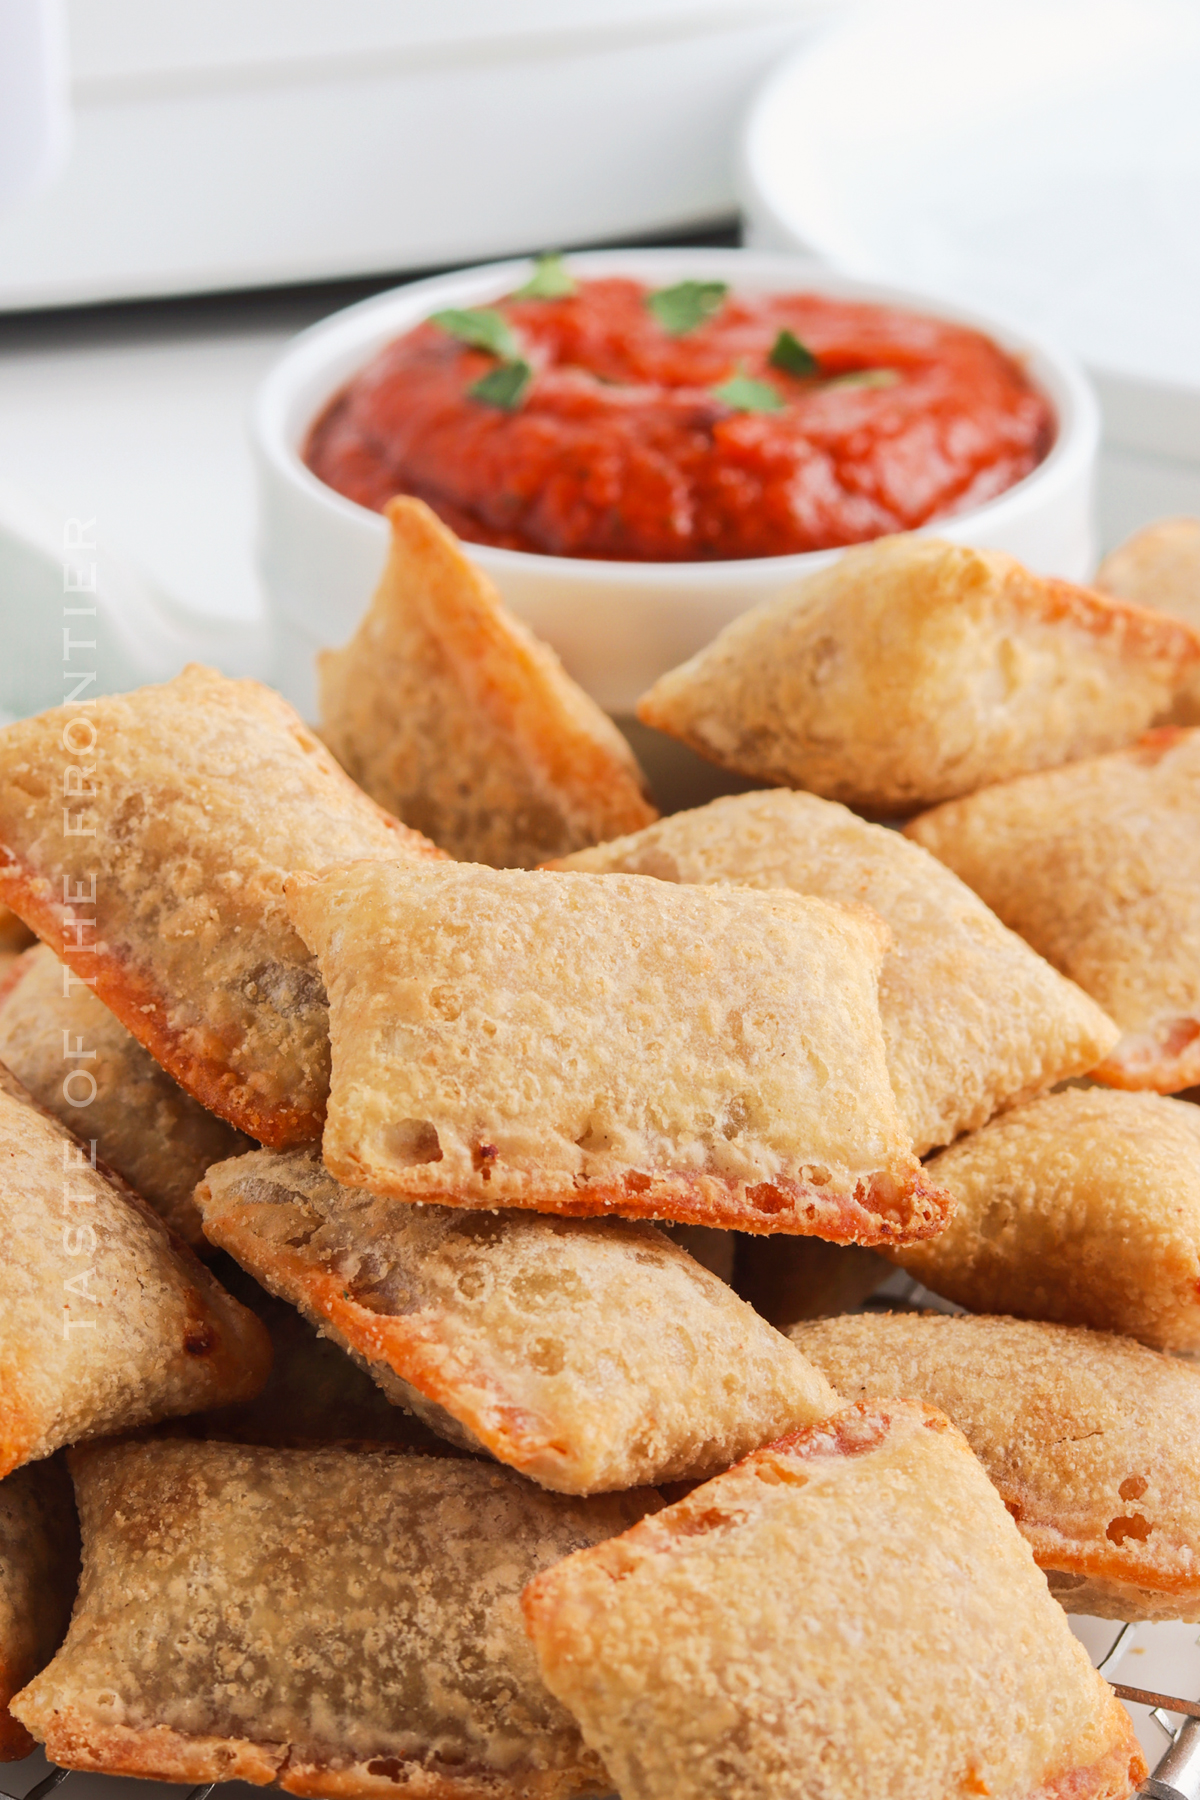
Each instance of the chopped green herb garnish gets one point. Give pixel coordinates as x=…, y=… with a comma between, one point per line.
x=865, y=378
x=503, y=387
x=681, y=308
x=746, y=395
x=793, y=357
x=481, y=327
x=551, y=280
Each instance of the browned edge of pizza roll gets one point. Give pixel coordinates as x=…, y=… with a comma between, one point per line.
x=589, y=1354
x=109, y=1321
x=850, y=1611
x=451, y=714
x=1081, y=1207
x=333, y=1622
x=1092, y=1440
x=160, y=881
x=913, y=670
x=1097, y=865
x=154, y=1135
x=508, y=1038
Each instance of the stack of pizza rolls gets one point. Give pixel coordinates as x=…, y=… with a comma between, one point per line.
x=372, y=1088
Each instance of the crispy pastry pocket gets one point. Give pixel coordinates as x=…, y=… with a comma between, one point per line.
x=611, y=1044
x=1093, y=1441
x=1081, y=1207
x=589, y=1354
x=1098, y=867
x=849, y=1611
x=973, y=1020
x=39, y=1569
x=334, y=1622
x=154, y=1135
x=1159, y=567
x=913, y=670
x=107, y=1321
x=160, y=882
x=450, y=713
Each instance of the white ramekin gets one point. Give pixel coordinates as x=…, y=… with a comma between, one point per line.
x=617, y=626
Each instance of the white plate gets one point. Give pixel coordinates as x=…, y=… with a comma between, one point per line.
x=1040, y=158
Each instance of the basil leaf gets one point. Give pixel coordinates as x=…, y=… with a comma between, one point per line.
x=793, y=357
x=482, y=328
x=505, y=386
x=865, y=378
x=744, y=394
x=681, y=308
x=551, y=280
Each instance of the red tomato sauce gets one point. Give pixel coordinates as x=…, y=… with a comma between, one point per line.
x=620, y=449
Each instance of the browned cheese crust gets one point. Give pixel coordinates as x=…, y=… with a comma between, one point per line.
x=1092, y=1440
x=588, y=1354
x=146, y=1128
x=331, y=1621
x=972, y=1019
x=160, y=879
x=610, y=1044
x=913, y=670
x=39, y=1569
x=1159, y=567
x=850, y=1611
x=107, y=1321
x=1082, y=1207
x=1098, y=867
x=450, y=713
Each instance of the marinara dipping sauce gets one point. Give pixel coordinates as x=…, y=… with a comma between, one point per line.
x=682, y=425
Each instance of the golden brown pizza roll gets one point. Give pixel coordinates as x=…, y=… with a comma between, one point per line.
x=39, y=1569
x=590, y=1354
x=849, y=1611
x=1084, y=1207
x=80, y=1063
x=14, y=933
x=1093, y=1442
x=973, y=1020
x=328, y=1621
x=1098, y=867
x=610, y=1044
x=450, y=713
x=912, y=670
x=1159, y=567
x=107, y=1322
x=147, y=840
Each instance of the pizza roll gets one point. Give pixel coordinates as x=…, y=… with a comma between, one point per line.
x=1083, y=1207
x=912, y=670
x=849, y=1611
x=39, y=1569
x=1098, y=867
x=328, y=1621
x=1093, y=1442
x=973, y=1020
x=1159, y=567
x=80, y=1063
x=147, y=840
x=107, y=1322
x=588, y=1353
x=609, y=1044
x=450, y=713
